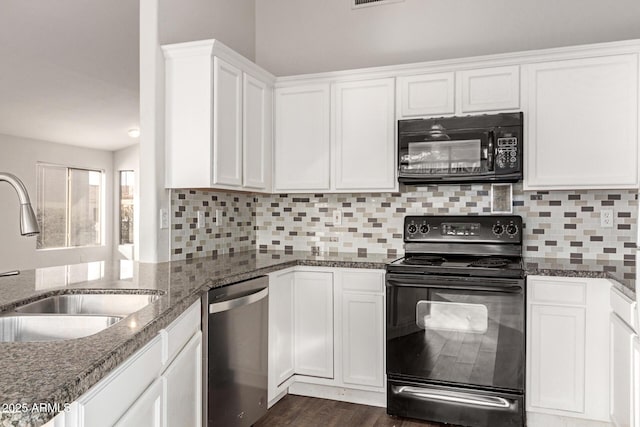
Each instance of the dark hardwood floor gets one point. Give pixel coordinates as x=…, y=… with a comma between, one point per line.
x=299, y=411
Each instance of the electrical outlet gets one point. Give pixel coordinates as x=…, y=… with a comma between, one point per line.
x=337, y=217
x=201, y=219
x=606, y=218
x=219, y=217
x=164, y=218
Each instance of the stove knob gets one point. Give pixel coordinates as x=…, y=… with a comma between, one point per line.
x=412, y=228
x=424, y=228
x=498, y=229
x=512, y=229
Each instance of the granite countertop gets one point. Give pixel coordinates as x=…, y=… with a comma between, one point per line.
x=58, y=372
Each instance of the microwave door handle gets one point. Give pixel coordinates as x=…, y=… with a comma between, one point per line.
x=491, y=158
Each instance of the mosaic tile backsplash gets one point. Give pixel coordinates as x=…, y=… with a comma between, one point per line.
x=235, y=231
x=564, y=224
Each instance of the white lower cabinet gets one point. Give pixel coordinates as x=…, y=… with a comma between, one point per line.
x=625, y=393
x=635, y=370
x=281, y=343
x=159, y=385
x=148, y=409
x=313, y=323
x=362, y=320
x=567, y=347
x=330, y=322
x=182, y=384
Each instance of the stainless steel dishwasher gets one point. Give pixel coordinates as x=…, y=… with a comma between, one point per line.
x=235, y=353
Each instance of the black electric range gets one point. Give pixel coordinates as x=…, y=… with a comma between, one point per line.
x=456, y=322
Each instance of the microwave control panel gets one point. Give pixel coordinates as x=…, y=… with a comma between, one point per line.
x=507, y=153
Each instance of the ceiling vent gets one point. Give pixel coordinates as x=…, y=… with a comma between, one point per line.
x=357, y=4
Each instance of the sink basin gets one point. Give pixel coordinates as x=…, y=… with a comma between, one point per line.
x=94, y=304
x=21, y=328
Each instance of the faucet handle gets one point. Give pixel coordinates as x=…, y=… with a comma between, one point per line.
x=10, y=273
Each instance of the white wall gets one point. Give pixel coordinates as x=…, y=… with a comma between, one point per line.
x=19, y=156
x=127, y=159
x=305, y=36
x=163, y=22
x=230, y=21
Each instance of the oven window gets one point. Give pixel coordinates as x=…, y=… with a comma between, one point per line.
x=456, y=336
x=452, y=317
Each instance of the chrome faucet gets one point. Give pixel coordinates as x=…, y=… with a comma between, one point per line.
x=28, y=222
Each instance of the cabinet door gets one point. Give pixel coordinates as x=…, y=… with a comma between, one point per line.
x=490, y=89
x=313, y=324
x=363, y=339
x=426, y=95
x=147, y=410
x=582, y=123
x=281, y=347
x=256, y=133
x=302, y=139
x=227, y=124
x=188, y=127
x=183, y=386
x=111, y=398
x=635, y=374
x=557, y=357
x=364, y=134
x=622, y=383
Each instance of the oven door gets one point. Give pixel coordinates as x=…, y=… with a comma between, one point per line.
x=456, y=331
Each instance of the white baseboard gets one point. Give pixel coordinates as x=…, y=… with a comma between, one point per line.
x=361, y=397
x=535, y=419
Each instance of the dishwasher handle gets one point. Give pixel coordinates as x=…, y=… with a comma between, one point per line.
x=245, y=299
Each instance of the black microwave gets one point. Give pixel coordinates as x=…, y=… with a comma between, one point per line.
x=470, y=149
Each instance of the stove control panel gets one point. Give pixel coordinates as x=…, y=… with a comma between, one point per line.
x=486, y=228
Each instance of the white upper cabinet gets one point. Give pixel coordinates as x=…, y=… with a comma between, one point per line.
x=581, y=121
x=363, y=135
x=459, y=92
x=302, y=138
x=256, y=132
x=489, y=89
x=426, y=95
x=218, y=118
x=227, y=123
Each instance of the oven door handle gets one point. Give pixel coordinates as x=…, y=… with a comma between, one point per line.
x=432, y=394
x=412, y=281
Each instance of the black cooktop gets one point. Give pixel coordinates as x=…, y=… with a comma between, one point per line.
x=484, y=245
x=461, y=265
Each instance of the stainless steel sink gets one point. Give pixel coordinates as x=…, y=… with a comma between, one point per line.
x=94, y=304
x=51, y=328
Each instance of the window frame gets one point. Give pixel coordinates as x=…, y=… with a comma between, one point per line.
x=102, y=208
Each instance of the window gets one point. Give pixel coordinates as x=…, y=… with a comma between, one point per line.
x=69, y=208
x=127, y=182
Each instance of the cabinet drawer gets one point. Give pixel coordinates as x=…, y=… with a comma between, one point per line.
x=625, y=308
x=176, y=335
x=363, y=281
x=108, y=400
x=557, y=291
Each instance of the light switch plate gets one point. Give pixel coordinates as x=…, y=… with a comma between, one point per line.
x=164, y=218
x=201, y=219
x=337, y=217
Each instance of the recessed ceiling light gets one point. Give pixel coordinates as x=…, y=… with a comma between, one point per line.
x=134, y=133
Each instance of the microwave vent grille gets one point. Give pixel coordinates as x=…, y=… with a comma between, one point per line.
x=365, y=3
